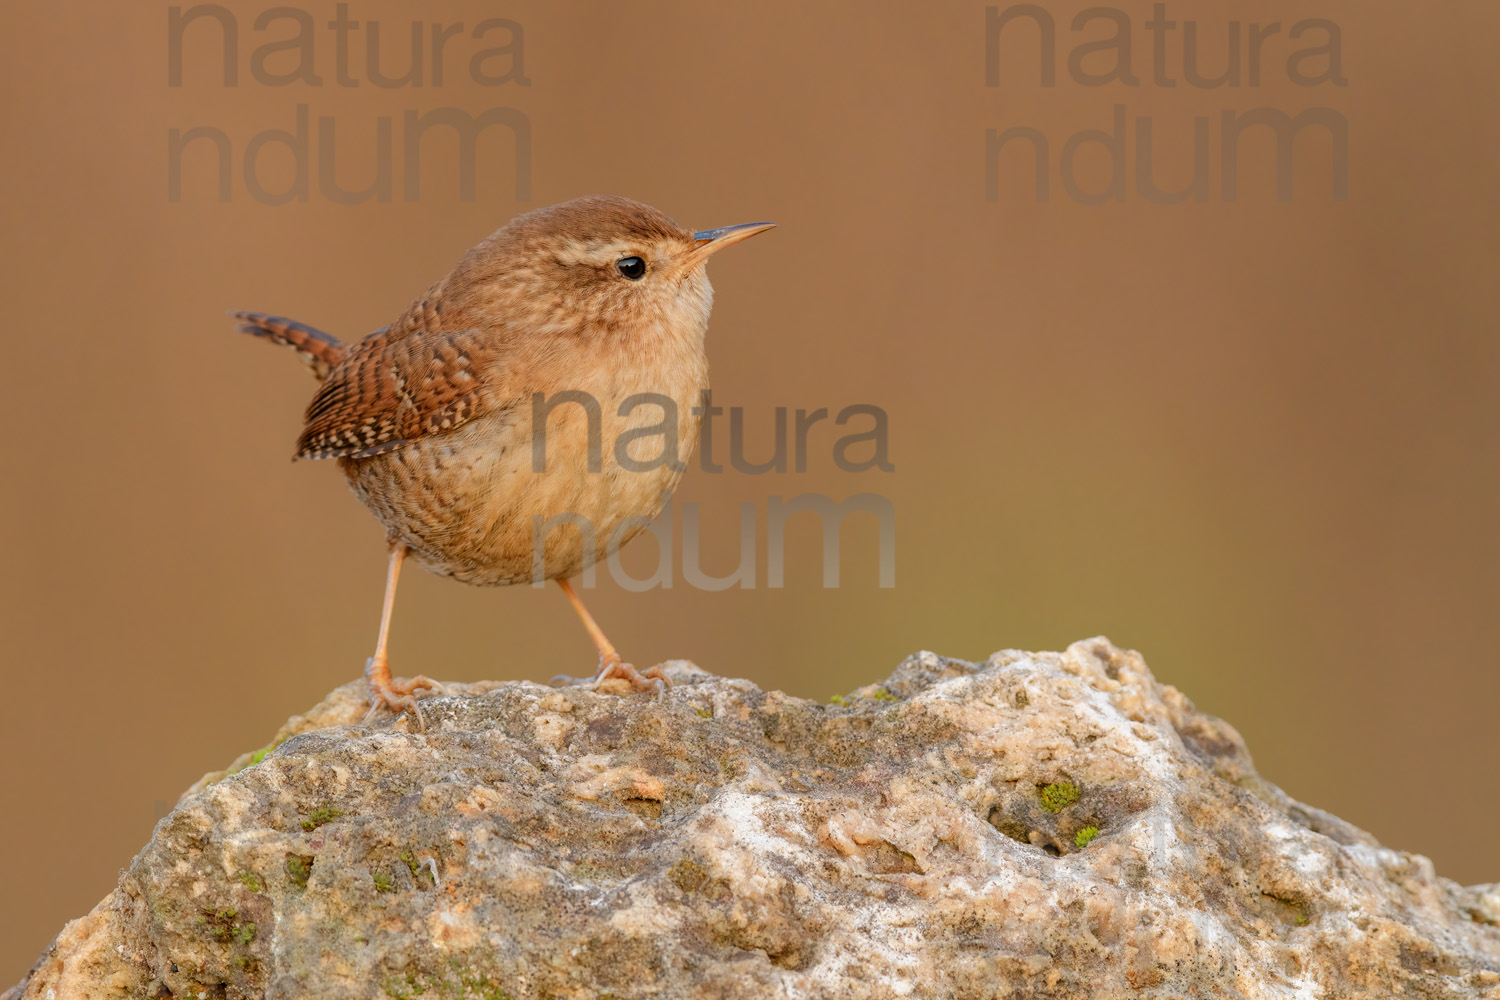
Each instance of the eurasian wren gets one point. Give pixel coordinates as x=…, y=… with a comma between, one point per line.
x=600, y=301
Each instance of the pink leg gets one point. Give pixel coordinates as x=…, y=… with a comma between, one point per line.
x=610, y=662
x=385, y=692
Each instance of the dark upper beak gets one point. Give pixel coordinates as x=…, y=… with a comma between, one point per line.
x=711, y=241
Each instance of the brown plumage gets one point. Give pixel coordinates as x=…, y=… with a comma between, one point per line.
x=599, y=299
x=318, y=350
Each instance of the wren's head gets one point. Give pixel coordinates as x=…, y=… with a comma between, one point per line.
x=598, y=266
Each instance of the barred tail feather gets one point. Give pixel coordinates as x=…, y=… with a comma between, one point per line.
x=319, y=351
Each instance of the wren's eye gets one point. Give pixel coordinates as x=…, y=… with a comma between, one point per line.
x=631, y=267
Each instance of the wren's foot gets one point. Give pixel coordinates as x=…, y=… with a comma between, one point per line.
x=610, y=665
x=396, y=694
x=651, y=679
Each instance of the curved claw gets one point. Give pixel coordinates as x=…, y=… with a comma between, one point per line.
x=401, y=696
x=650, y=679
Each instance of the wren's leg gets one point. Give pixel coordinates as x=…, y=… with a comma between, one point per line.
x=610, y=663
x=398, y=696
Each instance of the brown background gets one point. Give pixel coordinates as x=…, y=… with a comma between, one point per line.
x=1255, y=441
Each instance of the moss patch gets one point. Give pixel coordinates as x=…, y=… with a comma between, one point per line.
x=420, y=872
x=321, y=816
x=245, y=760
x=1085, y=836
x=299, y=869
x=1057, y=797
x=879, y=694
x=458, y=984
x=225, y=926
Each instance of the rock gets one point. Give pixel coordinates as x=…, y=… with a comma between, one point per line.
x=1037, y=825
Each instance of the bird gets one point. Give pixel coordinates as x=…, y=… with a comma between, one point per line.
x=507, y=399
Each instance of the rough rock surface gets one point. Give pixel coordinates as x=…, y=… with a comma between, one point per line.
x=1037, y=825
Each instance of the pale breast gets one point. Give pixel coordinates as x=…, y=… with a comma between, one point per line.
x=471, y=503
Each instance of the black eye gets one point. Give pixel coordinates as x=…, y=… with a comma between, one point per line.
x=632, y=267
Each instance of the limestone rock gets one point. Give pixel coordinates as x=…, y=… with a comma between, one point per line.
x=1037, y=825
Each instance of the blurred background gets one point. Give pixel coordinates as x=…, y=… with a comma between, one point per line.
x=1253, y=438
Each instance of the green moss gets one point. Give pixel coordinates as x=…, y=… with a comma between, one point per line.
x=321, y=816
x=383, y=882
x=252, y=881
x=403, y=988
x=299, y=869
x=225, y=926
x=879, y=694
x=1057, y=797
x=418, y=868
x=707, y=713
x=255, y=758
x=1085, y=836
x=461, y=985
x=487, y=989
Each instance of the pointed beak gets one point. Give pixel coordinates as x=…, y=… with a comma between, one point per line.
x=711, y=241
